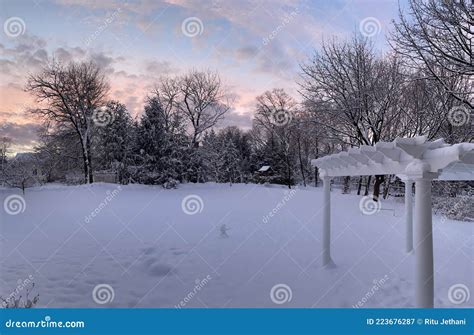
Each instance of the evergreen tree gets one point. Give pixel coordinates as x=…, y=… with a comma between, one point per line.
x=211, y=156
x=163, y=150
x=151, y=144
x=114, y=141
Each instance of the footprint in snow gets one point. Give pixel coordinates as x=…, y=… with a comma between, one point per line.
x=160, y=270
x=148, y=251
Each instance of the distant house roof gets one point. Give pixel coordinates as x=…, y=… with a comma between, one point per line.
x=264, y=168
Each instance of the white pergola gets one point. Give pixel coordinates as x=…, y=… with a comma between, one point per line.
x=414, y=160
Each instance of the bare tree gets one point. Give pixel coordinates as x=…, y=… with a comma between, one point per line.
x=203, y=101
x=21, y=171
x=59, y=151
x=274, y=121
x=354, y=93
x=168, y=92
x=5, y=144
x=425, y=105
x=71, y=96
x=438, y=36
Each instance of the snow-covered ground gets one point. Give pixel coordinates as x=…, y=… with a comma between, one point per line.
x=153, y=250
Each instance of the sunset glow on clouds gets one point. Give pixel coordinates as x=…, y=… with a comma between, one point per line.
x=254, y=45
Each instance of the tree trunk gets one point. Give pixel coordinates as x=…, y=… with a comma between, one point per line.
x=359, y=185
x=301, y=162
x=316, y=169
x=89, y=159
x=452, y=189
x=378, y=181
x=289, y=177
x=316, y=176
x=90, y=174
x=195, y=142
x=288, y=173
x=88, y=178
x=387, y=186
x=86, y=167
x=367, y=186
x=346, y=186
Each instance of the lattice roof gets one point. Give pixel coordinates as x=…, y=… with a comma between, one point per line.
x=403, y=157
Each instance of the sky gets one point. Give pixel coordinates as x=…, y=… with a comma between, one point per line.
x=254, y=45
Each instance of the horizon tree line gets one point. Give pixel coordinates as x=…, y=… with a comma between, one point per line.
x=350, y=95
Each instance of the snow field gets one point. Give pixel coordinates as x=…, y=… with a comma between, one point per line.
x=150, y=247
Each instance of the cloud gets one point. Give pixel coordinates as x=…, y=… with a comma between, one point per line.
x=26, y=54
x=24, y=136
x=132, y=79
x=255, y=45
x=229, y=21
x=246, y=52
x=233, y=118
x=29, y=54
x=105, y=62
x=159, y=68
x=66, y=55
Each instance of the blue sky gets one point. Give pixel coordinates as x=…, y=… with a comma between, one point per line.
x=255, y=45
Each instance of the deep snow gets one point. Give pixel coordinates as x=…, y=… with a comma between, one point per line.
x=140, y=241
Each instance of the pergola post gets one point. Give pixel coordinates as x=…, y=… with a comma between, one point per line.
x=327, y=261
x=416, y=159
x=424, y=275
x=409, y=214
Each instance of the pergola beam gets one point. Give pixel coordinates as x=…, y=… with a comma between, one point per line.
x=414, y=160
x=395, y=157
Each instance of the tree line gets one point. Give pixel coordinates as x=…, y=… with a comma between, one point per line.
x=350, y=94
